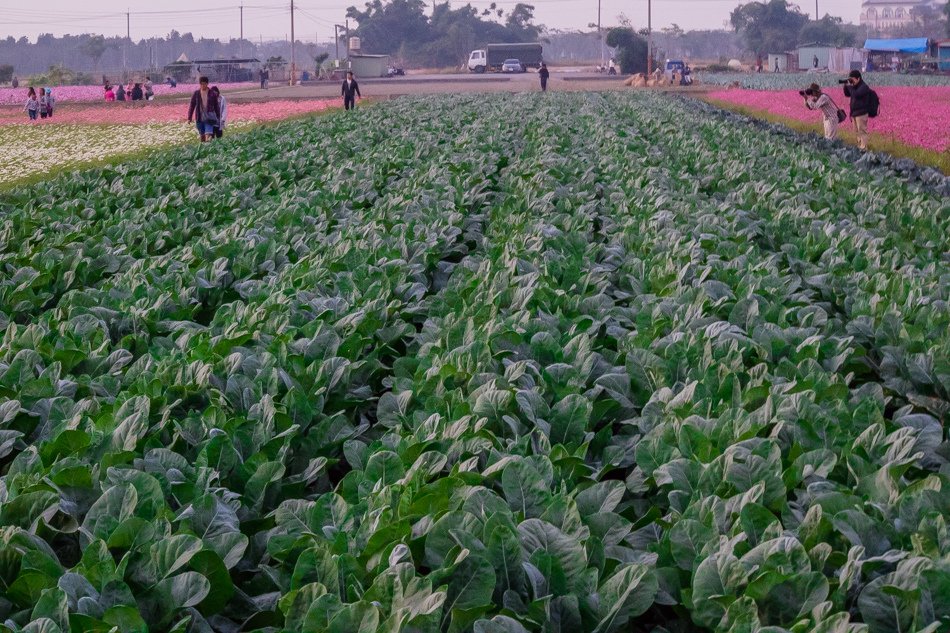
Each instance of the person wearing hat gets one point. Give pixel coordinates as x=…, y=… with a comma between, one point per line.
x=815, y=99
x=860, y=95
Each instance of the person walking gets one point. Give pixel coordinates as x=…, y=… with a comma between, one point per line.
x=860, y=95
x=350, y=91
x=223, y=106
x=50, y=102
x=814, y=62
x=44, y=103
x=260, y=75
x=205, y=109
x=15, y=83
x=544, y=74
x=815, y=99
x=32, y=106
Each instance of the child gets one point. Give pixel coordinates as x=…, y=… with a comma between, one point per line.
x=32, y=104
x=110, y=93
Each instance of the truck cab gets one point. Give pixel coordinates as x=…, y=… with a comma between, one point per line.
x=478, y=61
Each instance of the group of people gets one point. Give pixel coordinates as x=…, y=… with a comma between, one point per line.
x=863, y=105
x=134, y=91
x=39, y=105
x=209, y=110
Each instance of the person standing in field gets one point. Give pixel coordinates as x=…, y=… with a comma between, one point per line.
x=44, y=103
x=32, y=106
x=350, y=91
x=223, y=104
x=815, y=99
x=544, y=74
x=50, y=102
x=15, y=83
x=860, y=95
x=205, y=109
x=149, y=89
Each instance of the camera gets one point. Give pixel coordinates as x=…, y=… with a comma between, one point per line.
x=808, y=92
x=842, y=81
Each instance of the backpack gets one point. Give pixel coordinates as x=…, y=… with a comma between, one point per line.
x=874, y=104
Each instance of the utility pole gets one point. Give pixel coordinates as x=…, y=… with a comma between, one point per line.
x=293, y=46
x=128, y=38
x=816, y=10
x=649, y=38
x=600, y=35
x=242, y=30
x=336, y=39
x=348, y=38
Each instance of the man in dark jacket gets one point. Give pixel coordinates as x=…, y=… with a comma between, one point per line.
x=350, y=91
x=860, y=96
x=544, y=74
x=206, y=110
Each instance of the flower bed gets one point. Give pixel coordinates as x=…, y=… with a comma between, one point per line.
x=118, y=113
x=918, y=116
x=788, y=81
x=85, y=94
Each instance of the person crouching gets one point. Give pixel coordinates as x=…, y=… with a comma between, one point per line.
x=815, y=99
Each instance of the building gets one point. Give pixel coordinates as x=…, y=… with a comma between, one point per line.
x=884, y=15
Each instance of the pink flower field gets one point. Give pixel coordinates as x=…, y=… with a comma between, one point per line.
x=912, y=115
x=118, y=113
x=86, y=94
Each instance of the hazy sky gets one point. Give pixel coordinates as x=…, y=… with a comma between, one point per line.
x=315, y=18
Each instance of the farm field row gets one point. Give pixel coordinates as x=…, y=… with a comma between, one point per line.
x=799, y=81
x=93, y=94
x=496, y=364
x=83, y=135
x=915, y=116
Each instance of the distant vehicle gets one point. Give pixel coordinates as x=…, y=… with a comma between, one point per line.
x=673, y=65
x=513, y=66
x=492, y=57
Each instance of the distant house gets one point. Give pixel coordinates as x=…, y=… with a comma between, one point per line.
x=884, y=15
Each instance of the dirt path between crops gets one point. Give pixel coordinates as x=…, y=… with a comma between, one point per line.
x=448, y=84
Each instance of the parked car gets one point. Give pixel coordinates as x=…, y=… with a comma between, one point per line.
x=513, y=66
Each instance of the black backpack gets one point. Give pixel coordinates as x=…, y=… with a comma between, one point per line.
x=874, y=104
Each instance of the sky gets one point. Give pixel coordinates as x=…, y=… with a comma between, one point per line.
x=270, y=19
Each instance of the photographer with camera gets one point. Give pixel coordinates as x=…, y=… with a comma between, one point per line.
x=864, y=103
x=831, y=114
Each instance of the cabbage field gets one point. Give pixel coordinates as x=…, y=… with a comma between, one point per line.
x=580, y=363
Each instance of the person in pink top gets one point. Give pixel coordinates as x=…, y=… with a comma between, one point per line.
x=110, y=93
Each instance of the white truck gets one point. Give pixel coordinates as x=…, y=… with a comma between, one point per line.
x=491, y=58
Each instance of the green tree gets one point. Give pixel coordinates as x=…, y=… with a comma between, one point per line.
x=768, y=27
x=6, y=73
x=631, y=49
x=520, y=21
x=94, y=48
x=385, y=27
x=828, y=30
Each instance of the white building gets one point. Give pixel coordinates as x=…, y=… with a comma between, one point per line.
x=883, y=15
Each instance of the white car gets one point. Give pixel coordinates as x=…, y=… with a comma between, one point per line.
x=513, y=66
